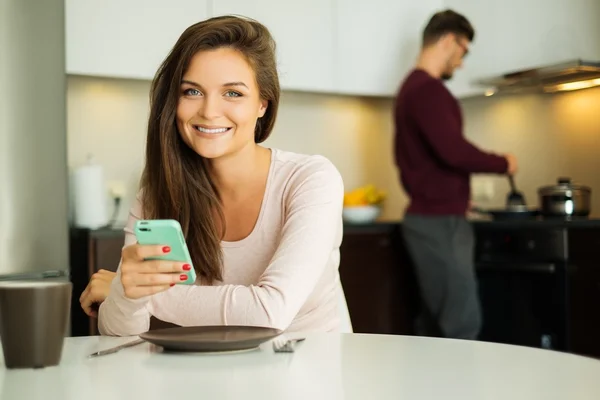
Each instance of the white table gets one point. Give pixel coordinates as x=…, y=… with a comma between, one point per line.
x=323, y=367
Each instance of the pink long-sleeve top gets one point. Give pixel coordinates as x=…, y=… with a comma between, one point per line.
x=283, y=275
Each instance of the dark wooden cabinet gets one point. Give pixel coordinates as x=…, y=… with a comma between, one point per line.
x=584, y=291
x=90, y=251
x=106, y=253
x=377, y=280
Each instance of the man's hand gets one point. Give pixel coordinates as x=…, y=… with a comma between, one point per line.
x=512, y=164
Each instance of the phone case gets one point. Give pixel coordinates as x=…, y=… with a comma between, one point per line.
x=166, y=232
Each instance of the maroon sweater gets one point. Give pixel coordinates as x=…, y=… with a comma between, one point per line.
x=434, y=158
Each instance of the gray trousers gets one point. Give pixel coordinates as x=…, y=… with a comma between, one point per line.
x=442, y=251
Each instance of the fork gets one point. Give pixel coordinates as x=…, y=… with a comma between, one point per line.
x=281, y=345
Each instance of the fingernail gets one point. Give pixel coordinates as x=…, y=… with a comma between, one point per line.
x=166, y=249
x=172, y=284
x=183, y=277
x=187, y=267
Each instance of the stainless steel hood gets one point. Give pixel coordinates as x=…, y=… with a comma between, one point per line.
x=569, y=75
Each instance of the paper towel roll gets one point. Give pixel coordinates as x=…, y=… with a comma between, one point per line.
x=89, y=196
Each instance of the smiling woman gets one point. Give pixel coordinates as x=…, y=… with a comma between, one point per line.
x=263, y=226
x=215, y=115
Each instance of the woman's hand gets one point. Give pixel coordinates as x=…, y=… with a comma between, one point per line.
x=142, y=278
x=96, y=291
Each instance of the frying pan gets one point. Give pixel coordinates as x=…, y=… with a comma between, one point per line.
x=515, y=209
x=509, y=213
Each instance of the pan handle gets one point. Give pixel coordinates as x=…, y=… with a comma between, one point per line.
x=511, y=180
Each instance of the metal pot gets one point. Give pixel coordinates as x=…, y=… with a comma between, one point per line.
x=565, y=199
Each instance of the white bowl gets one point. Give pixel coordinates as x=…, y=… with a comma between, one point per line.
x=361, y=214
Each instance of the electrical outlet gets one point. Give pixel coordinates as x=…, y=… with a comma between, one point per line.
x=117, y=189
x=482, y=189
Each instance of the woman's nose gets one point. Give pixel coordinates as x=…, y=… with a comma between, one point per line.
x=209, y=108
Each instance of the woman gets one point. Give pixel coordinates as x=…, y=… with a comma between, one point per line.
x=263, y=226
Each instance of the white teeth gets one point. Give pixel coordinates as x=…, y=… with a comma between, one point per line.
x=216, y=130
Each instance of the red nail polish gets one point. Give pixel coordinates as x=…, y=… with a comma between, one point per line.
x=187, y=267
x=166, y=249
x=172, y=284
x=183, y=277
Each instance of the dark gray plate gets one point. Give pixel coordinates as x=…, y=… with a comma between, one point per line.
x=210, y=338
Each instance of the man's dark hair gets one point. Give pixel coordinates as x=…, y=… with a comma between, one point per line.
x=444, y=22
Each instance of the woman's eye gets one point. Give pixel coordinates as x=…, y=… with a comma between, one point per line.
x=191, y=92
x=231, y=93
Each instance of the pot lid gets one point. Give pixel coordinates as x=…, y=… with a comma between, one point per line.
x=563, y=185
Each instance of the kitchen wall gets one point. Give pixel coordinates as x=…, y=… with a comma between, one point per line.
x=553, y=135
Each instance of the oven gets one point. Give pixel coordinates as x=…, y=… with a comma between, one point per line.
x=522, y=277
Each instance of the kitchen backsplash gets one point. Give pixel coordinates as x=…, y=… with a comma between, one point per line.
x=553, y=135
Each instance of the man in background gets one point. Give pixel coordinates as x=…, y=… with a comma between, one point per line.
x=435, y=162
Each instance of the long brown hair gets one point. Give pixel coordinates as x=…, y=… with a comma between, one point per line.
x=175, y=183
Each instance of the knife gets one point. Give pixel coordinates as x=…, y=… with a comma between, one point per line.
x=116, y=348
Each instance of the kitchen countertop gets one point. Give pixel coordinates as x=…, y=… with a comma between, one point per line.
x=372, y=227
x=393, y=225
x=578, y=223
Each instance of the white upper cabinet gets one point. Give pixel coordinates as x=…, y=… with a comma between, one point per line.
x=545, y=32
x=518, y=34
x=304, y=36
x=378, y=42
x=125, y=39
x=355, y=47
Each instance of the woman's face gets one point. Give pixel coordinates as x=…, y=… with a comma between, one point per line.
x=219, y=103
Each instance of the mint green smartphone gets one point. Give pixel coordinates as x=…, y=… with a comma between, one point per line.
x=166, y=232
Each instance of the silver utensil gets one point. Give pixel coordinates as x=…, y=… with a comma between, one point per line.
x=281, y=345
x=117, y=348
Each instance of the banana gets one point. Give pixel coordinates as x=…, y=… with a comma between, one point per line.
x=365, y=195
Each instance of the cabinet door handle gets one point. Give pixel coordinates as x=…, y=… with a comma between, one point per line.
x=515, y=267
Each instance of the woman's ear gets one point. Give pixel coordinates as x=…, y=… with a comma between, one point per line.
x=263, y=108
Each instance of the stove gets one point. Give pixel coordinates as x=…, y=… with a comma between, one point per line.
x=539, y=282
x=522, y=271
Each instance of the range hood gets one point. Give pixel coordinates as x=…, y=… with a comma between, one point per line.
x=569, y=75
